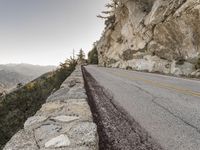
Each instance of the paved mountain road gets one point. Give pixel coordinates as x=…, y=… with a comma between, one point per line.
x=167, y=107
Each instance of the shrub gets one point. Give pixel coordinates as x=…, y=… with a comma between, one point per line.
x=93, y=56
x=129, y=68
x=198, y=64
x=120, y=40
x=180, y=61
x=127, y=54
x=81, y=56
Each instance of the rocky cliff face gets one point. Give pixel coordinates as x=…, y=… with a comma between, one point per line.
x=153, y=35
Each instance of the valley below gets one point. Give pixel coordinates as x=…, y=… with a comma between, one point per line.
x=13, y=75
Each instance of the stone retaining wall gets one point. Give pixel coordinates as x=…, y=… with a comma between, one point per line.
x=64, y=121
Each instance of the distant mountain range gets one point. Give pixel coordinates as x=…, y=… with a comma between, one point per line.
x=12, y=74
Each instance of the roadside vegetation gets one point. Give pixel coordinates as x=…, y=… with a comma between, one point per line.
x=198, y=64
x=22, y=103
x=81, y=56
x=93, y=56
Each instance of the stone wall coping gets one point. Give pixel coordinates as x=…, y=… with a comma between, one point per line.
x=63, y=122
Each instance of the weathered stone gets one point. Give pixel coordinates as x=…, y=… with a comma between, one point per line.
x=72, y=81
x=46, y=131
x=79, y=108
x=55, y=96
x=30, y=122
x=64, y=118
x=22, y=140
x=72, y=107
x=76, y=93
x=50, y=107
x=196, y=73
x=84, y=133
x=59, y=141
x=185, y=69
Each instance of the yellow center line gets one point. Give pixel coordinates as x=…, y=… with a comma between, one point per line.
x=161, y=85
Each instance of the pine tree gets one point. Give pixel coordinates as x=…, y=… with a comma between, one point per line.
x=81, y=56
x=93, y=56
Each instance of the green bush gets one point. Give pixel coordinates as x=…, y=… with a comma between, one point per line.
x=127, y=54
x=180, y=61
x=129, y=68
x=81, y=56
x=198, y=64
x=93, y=56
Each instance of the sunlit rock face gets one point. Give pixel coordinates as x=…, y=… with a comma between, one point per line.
x=153, y=35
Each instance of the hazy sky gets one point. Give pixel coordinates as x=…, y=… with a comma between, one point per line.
x=46, y=31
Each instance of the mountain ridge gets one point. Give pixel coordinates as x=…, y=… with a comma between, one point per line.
x=13, y=74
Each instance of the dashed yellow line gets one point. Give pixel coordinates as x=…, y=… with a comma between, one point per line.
x=161, y=85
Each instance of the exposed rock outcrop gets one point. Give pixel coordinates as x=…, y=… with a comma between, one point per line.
x=64, y=121
x=153, y=35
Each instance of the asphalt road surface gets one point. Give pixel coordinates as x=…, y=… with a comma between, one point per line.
x=168, y=108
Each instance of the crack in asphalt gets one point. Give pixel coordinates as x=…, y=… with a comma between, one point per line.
x=153, y=99
x=163, y=107
x=176, y=116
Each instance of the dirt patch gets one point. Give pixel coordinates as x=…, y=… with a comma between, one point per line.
x=116, y=129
